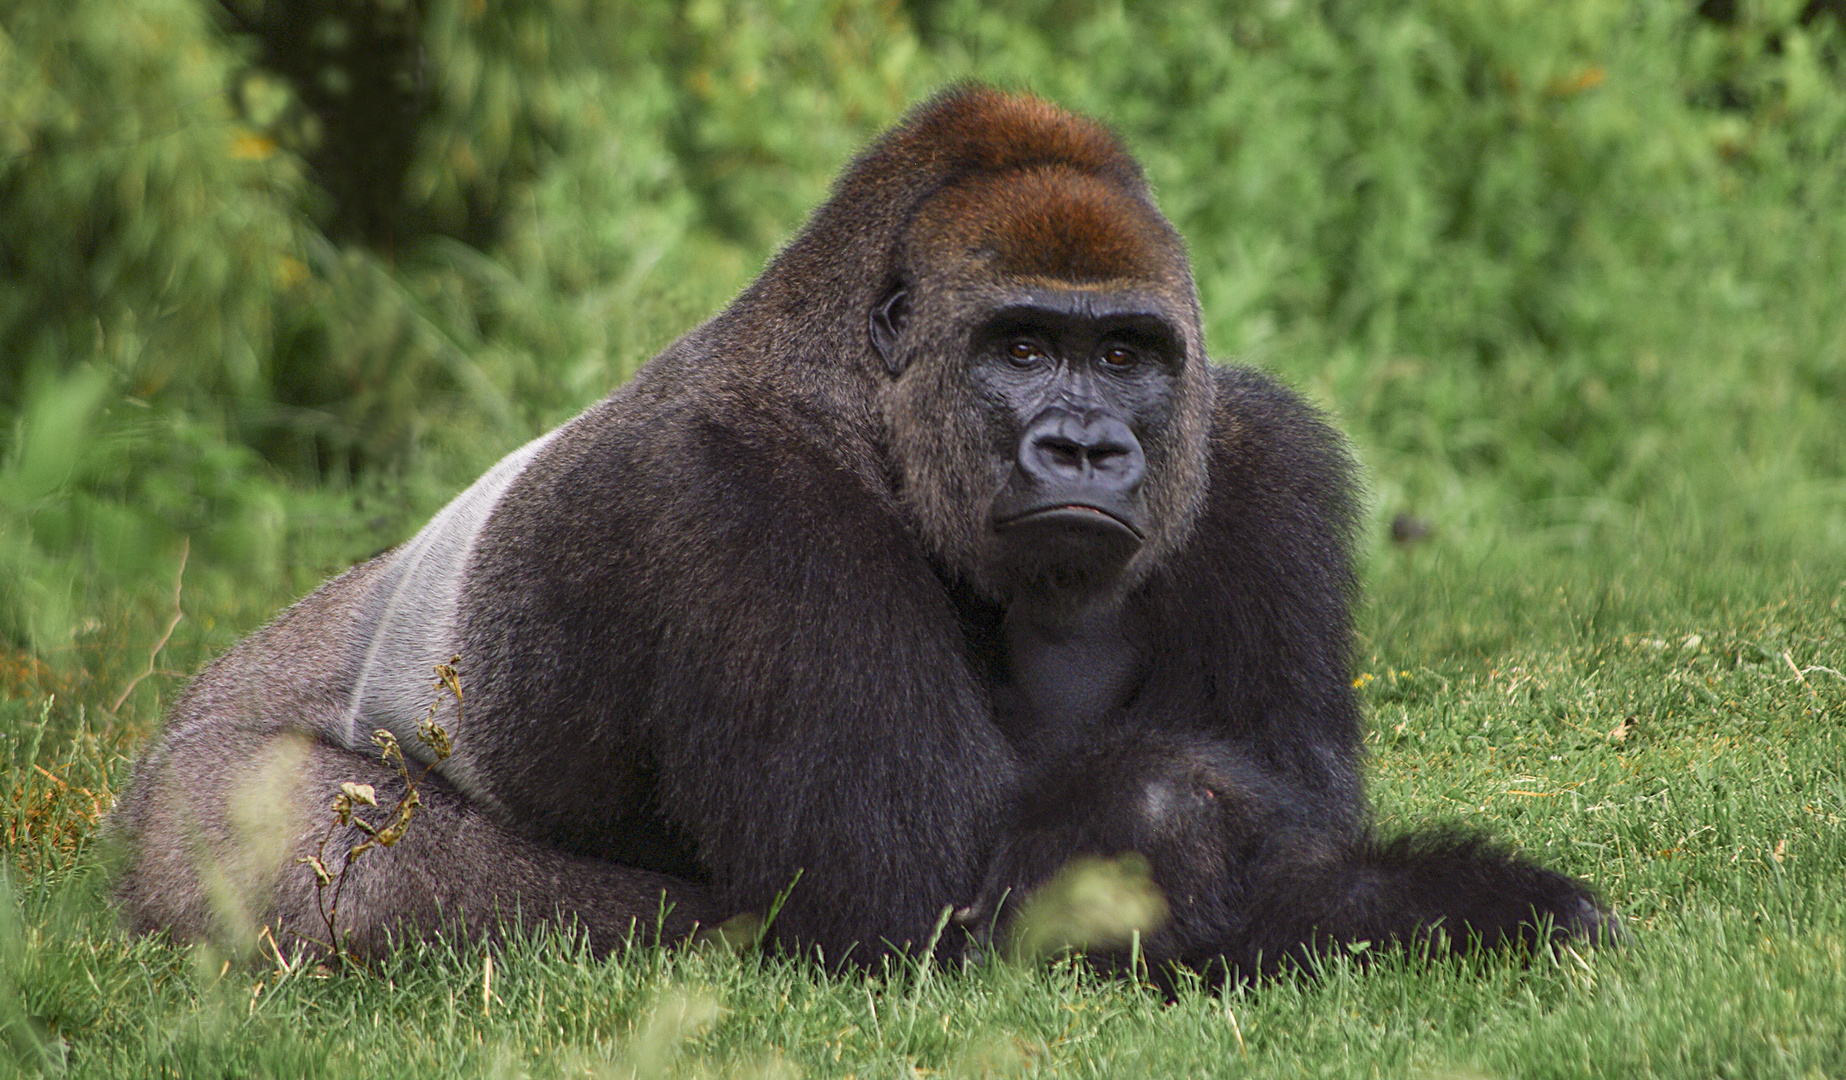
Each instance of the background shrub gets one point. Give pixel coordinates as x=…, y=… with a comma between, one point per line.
x=281, y=275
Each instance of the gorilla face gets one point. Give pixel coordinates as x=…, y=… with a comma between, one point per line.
x=1066, y=399
x=1075, y=381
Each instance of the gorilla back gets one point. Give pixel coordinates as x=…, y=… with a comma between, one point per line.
x=940, y=557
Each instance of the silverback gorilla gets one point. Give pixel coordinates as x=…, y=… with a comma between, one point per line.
x=941, y=557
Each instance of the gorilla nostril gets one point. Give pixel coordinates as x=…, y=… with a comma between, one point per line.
x=1113, y=460
x=1064, y=448
x=1060, y=454
x=1114, y=452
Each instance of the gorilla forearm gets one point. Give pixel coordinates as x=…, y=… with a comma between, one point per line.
x=1451, y=889
x=1252, y=873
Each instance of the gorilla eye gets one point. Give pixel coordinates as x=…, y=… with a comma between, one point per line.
x=1119, y=356
x=1024, y=352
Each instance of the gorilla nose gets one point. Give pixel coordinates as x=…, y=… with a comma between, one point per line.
x=1062, y=448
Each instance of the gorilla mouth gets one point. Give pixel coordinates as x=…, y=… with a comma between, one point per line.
x=1078, y=517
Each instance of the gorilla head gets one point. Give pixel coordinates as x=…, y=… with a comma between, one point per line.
x=1047, y=394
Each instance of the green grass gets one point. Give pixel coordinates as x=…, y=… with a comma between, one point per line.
x=1671, y=726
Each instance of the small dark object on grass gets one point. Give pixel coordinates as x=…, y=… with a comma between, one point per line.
x=1408, y=529
x=939, y=560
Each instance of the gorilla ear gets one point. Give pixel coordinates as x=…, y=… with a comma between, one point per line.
x=888, y=318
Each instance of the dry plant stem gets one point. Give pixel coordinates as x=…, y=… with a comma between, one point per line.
x=179, y=578
x=354, y=795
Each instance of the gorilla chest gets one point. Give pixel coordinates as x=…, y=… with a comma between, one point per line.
x=1056, y=675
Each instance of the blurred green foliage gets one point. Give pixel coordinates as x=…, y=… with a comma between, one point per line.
x=276, y=275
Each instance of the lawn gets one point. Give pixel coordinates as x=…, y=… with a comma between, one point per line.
x=1669, y=728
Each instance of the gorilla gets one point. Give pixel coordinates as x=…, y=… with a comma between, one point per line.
x=941, y=557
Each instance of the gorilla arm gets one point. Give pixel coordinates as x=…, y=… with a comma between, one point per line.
x=1252, y=881
x=758, y=629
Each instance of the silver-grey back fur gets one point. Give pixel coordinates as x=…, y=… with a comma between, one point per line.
x=408, y=622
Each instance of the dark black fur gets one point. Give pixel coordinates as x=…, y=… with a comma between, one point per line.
x=940, y=557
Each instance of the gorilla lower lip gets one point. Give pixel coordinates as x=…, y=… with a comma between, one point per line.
x=1072, y=516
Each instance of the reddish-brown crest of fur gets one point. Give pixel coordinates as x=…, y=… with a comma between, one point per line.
x=977, y=129
x=1054, y=223
x=1028, y=190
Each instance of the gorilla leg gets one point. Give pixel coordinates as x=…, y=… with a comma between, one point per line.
x=214, y=853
